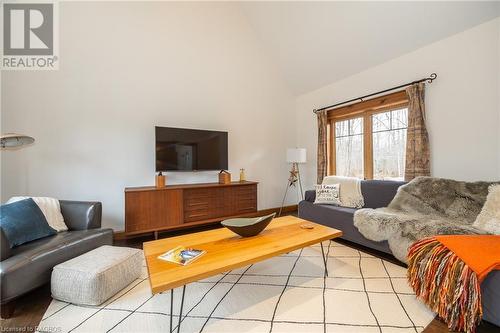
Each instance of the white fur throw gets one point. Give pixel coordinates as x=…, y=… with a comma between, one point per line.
x=51, y=210
x=422, y=208
x=350, y=190
x=489, y=218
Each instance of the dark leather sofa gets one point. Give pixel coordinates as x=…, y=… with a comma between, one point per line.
x=29, y=266
x=376, y=194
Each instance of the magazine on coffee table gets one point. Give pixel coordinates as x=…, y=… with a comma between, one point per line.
x=181, y=255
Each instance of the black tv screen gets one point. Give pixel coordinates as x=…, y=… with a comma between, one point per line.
x=185, y=149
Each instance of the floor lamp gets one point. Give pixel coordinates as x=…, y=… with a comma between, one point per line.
x=14, y=141
x=295, y=156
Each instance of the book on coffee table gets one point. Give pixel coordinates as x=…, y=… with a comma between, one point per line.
x=181, y=255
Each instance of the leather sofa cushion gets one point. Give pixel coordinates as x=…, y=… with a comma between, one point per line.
x=30, y=265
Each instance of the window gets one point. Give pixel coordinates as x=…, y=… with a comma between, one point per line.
x=389, y=144
x=349, y=147
x=368, y=139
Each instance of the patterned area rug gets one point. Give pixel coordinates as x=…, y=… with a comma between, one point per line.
x=282, y=294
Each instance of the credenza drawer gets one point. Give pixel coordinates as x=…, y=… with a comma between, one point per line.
x=198, y=193
x=194, y=203
x=248, y=189
x=246, y=209
x=196, y=215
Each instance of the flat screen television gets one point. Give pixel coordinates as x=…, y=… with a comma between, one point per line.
x=185, y=149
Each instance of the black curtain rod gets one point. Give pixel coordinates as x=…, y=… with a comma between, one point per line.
x=429, y=79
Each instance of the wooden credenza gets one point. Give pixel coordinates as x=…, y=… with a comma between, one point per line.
x=151, y=209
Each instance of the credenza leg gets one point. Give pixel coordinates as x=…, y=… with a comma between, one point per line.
x=156, y=235
x=324, y=259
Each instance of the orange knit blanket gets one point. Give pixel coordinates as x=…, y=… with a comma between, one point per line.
x=480, y=252
x=446, y=272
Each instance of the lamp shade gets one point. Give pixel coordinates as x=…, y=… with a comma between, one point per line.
x=296, y=155
x=13, y=140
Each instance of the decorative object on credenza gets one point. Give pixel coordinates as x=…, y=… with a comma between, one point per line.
x=224, y=177
x=248, y=227
x=160, y=180
x=13, y=141
x=294, y=156
x=242, y=175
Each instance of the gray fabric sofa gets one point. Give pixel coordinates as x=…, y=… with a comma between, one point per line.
x=29, y=266
x=376, y=193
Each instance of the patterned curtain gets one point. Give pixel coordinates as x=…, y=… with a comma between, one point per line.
x=417, y=141
x=322, y=145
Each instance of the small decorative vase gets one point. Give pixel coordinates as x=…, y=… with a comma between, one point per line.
x=224, y=177
x=160, y=180
x=242, y=175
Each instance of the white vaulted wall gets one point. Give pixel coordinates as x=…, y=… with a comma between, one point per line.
x=127, y=67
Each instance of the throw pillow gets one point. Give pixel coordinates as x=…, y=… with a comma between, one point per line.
x=327, y=194
x=51, y=210
x=23, y=221
x=489, y=218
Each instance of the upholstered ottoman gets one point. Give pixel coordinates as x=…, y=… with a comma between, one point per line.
x=95, y=276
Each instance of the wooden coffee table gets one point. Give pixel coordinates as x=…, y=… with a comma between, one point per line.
x=227, y=251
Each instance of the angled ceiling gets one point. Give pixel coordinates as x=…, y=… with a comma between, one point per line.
x=318, y=43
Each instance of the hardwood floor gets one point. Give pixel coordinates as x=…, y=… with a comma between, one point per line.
x=31, y=307
x=28, y=312
x=437, y=326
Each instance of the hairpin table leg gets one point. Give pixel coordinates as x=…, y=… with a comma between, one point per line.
x=324, y=258
x=172, y=328
x=180, y=312
x=171, y=310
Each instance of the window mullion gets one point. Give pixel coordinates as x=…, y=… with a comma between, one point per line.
x=332, y=167
x=367, y=145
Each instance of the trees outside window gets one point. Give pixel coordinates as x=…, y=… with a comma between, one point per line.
x=368, y=139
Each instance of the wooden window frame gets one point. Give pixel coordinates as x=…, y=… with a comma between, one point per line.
x=364, y=109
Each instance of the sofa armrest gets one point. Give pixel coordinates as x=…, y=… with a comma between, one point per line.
x=310, y=196
x=4, y=246
x=81, y=215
